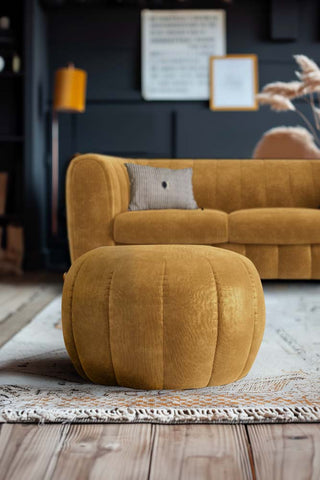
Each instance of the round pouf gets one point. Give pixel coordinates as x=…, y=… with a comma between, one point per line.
x=162, y=316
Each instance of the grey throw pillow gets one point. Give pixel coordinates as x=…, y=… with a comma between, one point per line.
x=160, y=188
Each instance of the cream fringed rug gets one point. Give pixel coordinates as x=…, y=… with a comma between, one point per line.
x=38, y=383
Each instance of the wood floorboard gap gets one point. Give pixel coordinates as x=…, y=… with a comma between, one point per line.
x=250, y=454
x=55, y=457
x=153, y=436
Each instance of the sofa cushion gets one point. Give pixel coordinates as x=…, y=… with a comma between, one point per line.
x=275, y=226
x=203, y=227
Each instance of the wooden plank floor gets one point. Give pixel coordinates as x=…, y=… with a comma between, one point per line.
x=142, y=451
x=21, y=298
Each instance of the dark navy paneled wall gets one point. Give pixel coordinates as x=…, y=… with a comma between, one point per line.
x=106, y=43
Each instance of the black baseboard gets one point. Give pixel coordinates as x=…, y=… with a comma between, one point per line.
x=57, y=260
x=34, y=260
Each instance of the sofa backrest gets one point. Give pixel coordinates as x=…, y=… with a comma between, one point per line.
x=230, y=185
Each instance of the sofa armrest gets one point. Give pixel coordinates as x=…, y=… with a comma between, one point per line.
x=97, y=189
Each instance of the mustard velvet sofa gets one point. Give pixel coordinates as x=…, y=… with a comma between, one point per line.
x=267, y=210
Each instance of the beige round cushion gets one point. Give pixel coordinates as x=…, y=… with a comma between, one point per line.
x=162, y=316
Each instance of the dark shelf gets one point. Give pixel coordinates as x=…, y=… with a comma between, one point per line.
x=11, y=139
x=7, y=41
x=11, y=75
x=10, y=218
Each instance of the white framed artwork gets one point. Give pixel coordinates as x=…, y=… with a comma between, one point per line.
x=234, y=82
x=176, y=46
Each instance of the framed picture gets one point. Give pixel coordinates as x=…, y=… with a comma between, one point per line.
x=176, y=48
x=233, y=82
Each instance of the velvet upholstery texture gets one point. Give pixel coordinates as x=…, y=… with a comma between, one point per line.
x=281, y=261
x=264, y=208
x=203, y=227
x=162, y=316
x=275, y=226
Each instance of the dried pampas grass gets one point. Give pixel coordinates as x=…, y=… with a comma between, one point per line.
x=278, y=103
x=317, y=112
x=287, y=89
x=306, y=64
x=311, y=81
x=309, y=75
x=278, y=95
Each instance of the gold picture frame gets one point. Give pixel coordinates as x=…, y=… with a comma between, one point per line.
x=232, y=75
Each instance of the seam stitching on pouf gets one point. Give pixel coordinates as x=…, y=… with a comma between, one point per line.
x=71, y=322
x=255, y=311
x=217, y=291
x=109, y=318
x=162, y=316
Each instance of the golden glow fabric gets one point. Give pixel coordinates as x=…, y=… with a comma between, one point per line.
x=282, y=242
x=203, y=227
x=162, y=316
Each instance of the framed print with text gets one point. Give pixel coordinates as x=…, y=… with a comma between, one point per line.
x=176, y=48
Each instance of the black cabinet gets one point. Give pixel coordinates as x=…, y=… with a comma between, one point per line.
x=12, y=110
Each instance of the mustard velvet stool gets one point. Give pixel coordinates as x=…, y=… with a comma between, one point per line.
x=162, y=316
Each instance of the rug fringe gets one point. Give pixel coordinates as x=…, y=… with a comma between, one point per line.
x=166, y=416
